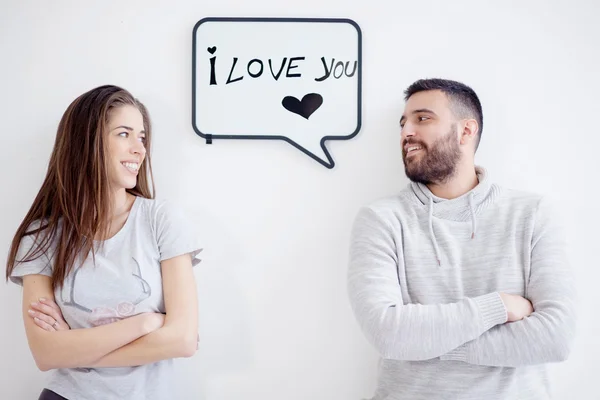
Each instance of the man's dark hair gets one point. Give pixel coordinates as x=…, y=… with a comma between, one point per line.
x=463, y=100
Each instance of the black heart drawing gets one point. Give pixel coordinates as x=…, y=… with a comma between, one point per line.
x=309, y=104
x=212, y=50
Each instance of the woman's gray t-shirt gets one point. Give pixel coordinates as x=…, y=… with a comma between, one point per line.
x=125, y=281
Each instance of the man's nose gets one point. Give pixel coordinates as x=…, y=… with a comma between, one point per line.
x=408, y=131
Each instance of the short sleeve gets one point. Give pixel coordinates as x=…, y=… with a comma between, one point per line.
x=174, y=233
x=30, y=266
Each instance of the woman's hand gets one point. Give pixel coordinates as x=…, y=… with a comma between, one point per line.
x=47, y=315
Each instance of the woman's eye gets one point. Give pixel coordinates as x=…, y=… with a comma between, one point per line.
x=124, y=134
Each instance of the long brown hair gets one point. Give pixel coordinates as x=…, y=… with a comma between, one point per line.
x=76, y=189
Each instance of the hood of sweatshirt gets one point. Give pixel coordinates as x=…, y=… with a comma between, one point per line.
x=462, y=208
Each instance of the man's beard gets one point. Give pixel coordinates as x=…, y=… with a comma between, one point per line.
x=439, y=162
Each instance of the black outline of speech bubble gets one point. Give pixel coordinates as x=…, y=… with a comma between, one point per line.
x=209, y=137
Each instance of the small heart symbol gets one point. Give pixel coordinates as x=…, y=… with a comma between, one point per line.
x=309, y=104
x=212, y=50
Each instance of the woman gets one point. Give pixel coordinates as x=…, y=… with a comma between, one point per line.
x=96, y=249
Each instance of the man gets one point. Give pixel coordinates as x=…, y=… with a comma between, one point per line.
x=462, y=286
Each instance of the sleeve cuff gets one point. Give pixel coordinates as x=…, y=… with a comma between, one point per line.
x=493, y=311
x=458, y=354
x=193, y=252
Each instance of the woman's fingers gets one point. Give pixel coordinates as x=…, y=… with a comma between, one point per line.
x=50, y=303
x=43, y=317
x=45, y=309
x=43, y=324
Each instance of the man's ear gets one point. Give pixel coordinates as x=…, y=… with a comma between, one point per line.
x=470, y=130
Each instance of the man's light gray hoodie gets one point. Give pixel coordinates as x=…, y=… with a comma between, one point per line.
x=424, y=280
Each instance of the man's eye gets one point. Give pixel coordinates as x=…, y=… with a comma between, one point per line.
x=421, y=119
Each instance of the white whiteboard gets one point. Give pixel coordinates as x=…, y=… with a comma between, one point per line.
x=297, y=80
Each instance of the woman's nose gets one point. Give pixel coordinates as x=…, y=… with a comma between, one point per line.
x=138, y=148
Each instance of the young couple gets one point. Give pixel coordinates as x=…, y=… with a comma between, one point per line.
x=462, y=286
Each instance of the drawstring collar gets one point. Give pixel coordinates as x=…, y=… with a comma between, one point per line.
x=432, y=234
x=473, y=219
x=462, y=208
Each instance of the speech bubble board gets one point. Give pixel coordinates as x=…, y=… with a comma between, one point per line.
x=292, y=79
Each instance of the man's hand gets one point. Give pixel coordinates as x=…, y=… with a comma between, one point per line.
x=517, y=307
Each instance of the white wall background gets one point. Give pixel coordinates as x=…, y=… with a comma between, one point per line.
x=275, y=322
